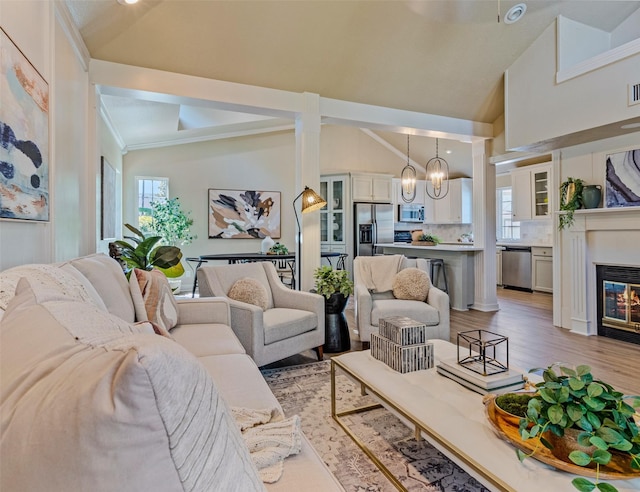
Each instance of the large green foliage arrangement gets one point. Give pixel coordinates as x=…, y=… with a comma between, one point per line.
x=573, y=399
x=171, y=223
x=145, y=254
x=330, y=281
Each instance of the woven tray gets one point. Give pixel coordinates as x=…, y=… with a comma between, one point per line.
x=422, y=243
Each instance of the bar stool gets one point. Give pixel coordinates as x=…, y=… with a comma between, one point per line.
x=438, y=263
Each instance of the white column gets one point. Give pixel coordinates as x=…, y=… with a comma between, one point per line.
x=484, y=228
x=580, y=288
x=308, y=174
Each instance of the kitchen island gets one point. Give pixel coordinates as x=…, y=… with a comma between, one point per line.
x=458, y=263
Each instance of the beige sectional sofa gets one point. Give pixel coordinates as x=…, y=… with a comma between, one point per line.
x=89, y=400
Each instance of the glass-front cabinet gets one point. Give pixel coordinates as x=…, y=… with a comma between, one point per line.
x=541, y=193
x=333, y=216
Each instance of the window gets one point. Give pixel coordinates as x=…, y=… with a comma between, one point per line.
x=507, y=228
x=149, y=190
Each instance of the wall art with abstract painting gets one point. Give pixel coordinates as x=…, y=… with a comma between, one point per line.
x=237, y=214
x=623, y=179
x=24, y=137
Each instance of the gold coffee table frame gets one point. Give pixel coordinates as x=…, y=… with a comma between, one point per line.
x=419, y=429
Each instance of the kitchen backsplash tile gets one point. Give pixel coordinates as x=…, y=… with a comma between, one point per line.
x=449, y=233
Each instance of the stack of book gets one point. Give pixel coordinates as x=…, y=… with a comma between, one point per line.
x=503, y=382
x=402, y=344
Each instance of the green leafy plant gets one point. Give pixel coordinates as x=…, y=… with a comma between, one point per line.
x=278, y=249
x=171, y=223
x=330, y=281
x=570, y=200
x=431, y=238
x=145, y=254
x=573, y=399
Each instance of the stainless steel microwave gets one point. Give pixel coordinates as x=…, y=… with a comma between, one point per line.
x=411, y=213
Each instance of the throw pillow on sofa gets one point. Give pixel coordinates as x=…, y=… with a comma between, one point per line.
x=124, y=411
x=153, y=299
x=411, y=284
x=250, y=291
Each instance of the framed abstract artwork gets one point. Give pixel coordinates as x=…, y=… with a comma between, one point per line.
x=239, y=214
x=623, y=179
x=24, y=137
x=107, y=200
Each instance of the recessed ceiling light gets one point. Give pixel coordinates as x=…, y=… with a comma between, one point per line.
x=127, y=2
x=515, y=13
x=630, y=126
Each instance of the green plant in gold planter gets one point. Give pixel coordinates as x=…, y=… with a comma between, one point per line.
x=602, y=418
x=570, y=200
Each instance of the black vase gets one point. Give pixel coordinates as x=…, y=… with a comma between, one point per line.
x=336, y=330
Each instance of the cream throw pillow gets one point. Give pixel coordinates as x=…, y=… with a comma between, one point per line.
x=250, y=291
x=411, y=284
x=153, y=299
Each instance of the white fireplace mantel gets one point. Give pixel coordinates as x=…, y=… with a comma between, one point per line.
x=598, y=237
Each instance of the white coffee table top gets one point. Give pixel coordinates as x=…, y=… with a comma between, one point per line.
x=456, y=414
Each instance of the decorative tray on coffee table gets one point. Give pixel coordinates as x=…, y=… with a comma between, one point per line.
x=618, y=468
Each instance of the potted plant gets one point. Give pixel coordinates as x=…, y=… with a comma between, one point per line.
x=146, y=254
x=570, y=200
x=278, y=249
x=336, y=287
x=426, y=239
x=574, y=402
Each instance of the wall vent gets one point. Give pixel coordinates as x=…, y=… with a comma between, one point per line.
x=634, y=94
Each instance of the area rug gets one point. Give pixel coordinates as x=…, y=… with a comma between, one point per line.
x=305, y=390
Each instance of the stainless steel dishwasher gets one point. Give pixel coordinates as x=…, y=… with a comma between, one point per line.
x=516, y=267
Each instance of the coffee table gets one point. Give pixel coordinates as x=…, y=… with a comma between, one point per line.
x=452, y=418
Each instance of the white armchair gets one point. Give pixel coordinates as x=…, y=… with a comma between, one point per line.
x=371, y=305
x=293, y=321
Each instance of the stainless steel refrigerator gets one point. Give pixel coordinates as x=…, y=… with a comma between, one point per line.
x=373, y=224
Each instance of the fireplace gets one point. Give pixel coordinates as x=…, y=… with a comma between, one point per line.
x=618, y=306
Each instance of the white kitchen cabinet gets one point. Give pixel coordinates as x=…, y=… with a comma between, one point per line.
x=366, y=187
x=455, y=208
x=335, y=217
x=542, y=269
x=530, y=191
x=499, y=266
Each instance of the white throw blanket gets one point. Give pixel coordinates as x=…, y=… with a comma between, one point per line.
x=378, y=272
x=270, y=439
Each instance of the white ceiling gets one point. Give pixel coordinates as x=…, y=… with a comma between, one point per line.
x=444, y=57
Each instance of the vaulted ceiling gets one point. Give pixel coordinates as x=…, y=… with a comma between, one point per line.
x=444, y=57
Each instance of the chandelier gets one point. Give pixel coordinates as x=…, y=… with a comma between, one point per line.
x=408, y=179
x=437, y=177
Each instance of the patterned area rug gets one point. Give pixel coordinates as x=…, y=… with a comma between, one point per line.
x=306, y=391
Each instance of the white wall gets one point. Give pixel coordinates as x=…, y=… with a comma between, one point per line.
x=265, y=162
x=73, y=171
x=538, y=109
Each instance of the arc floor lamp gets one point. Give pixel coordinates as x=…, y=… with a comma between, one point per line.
x=311, y=201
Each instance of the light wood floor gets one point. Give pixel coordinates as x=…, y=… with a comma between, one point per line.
x=526, y=318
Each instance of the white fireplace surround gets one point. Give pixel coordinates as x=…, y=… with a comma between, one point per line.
x=598, y=237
